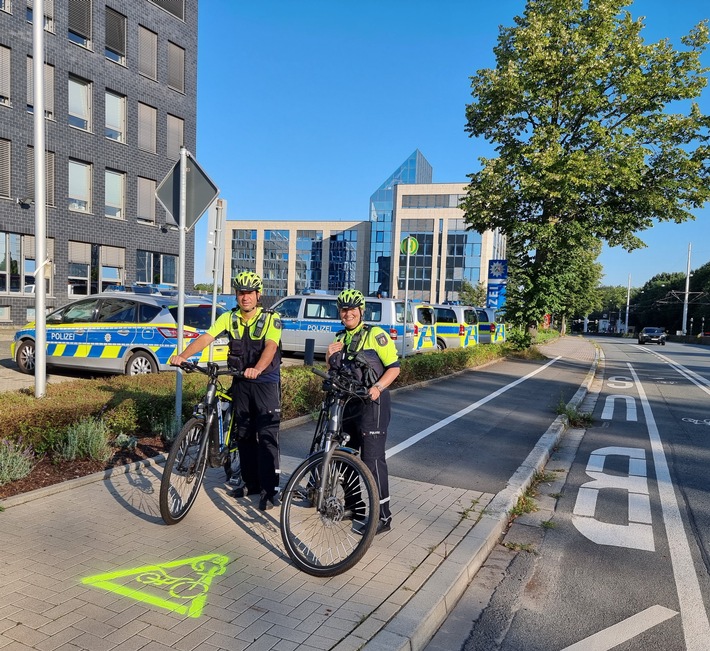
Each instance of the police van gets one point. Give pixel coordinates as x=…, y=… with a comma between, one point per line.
x=316, y=316
x=424, y=327
x=491, y=328
x=456, y=326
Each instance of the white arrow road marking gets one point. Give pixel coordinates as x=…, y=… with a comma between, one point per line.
x=466, y=410
x=696, y=627
x=623, y=631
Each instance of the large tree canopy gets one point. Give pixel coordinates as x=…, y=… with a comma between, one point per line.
x=578, y=108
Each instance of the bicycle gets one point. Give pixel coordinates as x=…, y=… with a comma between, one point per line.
x=192, y=451
x=330, y=506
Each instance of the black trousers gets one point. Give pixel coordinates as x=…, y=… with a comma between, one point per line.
x=367, y=423
x=257, y=413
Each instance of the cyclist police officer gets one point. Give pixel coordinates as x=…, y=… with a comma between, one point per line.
x=254, y=336
x=366, y=421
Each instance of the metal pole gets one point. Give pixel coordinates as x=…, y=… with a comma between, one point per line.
x=41, y=260
x=217, y=263
x=182, y=229
x=406, y=301
x=687, y=288
x=628, y=297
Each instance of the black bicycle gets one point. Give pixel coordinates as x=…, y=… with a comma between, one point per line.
x=193, y=450
x=330, y=505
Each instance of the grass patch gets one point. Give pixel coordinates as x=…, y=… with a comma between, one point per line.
x=547, y=524
x=575, y=417
x=520, y=547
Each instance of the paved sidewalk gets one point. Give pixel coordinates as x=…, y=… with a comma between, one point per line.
x=90, y=565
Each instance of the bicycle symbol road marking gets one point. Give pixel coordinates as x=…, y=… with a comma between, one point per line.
x=180, y=586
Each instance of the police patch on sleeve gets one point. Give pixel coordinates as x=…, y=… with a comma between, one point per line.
x=277, y=324
x=381, y=339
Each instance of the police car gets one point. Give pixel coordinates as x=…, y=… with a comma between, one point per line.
x=117, y=333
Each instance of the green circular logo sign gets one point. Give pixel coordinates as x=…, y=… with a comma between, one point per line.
x=409, y=245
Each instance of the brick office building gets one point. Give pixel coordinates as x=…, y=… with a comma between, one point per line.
x=120, y=79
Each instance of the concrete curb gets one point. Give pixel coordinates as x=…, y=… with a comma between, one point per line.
x=415, y=624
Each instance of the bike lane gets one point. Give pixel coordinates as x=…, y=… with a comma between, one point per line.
x=623, y=565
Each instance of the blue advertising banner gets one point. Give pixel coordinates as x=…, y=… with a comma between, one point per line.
x=497, y=280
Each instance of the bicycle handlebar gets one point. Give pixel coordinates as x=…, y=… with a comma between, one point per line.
x=212, y=368
x=343, y=384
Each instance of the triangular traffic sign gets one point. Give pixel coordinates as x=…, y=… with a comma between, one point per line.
x=180, y=586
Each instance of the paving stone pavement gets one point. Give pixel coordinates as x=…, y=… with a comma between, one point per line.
x=395, y=598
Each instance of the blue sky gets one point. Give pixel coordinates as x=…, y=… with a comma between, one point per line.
x=306, y=106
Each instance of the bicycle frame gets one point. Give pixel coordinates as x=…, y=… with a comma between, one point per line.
x=333, y=409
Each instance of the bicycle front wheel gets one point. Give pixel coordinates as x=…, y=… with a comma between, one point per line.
x=333, y=539
x=184, y=471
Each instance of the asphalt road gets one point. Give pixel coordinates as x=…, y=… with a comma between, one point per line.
x=625, y=562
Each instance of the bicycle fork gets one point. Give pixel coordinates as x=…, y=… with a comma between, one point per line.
x=335, y=417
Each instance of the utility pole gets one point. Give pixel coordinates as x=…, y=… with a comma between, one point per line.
x=628, y=297
x=687, y=290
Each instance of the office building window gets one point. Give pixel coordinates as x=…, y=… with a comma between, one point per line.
x=146, y=200
x=80, y=103
x=48, y=88
x=6, y=5
x=147, y=124
x=342, y=261
x=114, y=194
x=176, y=67
x=5, y=85
x=115, y=117
x=176, y=128
x=243, y=251
x=80, y=22
x=79, y=276
x=174, y=7
x=155, y=268
x=113, y=264
x=5, y=158
x=48, y=13
x=17, y=263
x=49, y=175
x=115, y=48
x=79, y=186
x=309, y=260
x=147, y=53
x=275, y=262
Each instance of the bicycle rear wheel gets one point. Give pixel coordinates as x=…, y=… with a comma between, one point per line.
x=184, y=471
x=332, y=540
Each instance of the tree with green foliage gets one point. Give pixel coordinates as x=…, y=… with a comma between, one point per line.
x=206, y=287
x=470, y=295
x=577, y=108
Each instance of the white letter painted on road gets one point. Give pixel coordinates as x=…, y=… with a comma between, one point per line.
x=638, y=534
x=620, y=382
x=608, y=412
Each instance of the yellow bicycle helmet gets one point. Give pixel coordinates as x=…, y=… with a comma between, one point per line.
x=247, y=281
x=351, y=298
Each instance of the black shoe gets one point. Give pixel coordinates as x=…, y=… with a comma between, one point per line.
x=242, y=491
x=268, y=502
x=383, y=526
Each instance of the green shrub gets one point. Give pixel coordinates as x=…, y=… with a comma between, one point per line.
x=16, y=460
x=86, y=439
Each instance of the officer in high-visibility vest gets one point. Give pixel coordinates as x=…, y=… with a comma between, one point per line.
x=254, y=336
x=366, y=421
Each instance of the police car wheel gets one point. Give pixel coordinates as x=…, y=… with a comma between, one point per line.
x=440, y=344
x=25, y=357
x=140, y=364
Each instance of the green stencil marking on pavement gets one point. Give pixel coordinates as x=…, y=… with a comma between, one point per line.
x=180, y=586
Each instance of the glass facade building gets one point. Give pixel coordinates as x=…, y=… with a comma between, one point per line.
x=309, y=260
x=415, y=169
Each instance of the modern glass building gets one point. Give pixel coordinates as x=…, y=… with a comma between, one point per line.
x=298, y=257
x=415, y=169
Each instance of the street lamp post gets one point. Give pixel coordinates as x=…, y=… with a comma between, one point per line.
x=628, y=297
x=687, y=290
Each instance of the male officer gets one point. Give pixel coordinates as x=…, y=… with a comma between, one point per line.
x=254, y=336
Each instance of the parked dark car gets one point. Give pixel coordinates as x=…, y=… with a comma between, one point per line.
x=651, y=335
